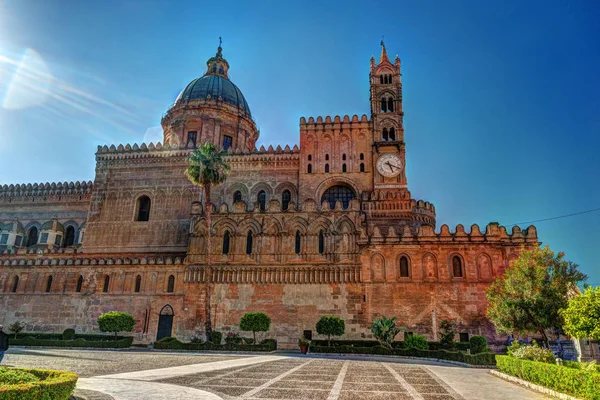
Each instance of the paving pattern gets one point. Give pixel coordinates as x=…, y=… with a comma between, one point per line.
x=316, y=379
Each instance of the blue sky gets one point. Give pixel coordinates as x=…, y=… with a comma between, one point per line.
x=502, y=101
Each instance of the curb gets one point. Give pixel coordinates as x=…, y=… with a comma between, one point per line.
x=533, y=386
x=392, y=357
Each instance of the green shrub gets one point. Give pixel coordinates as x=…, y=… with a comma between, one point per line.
x=51, y=385
x=216, y=337
x=385, y=330
x=576, y=382
x=533, y=353
x=478, y=344
x=447, y=334
x=114, y=321
x=16, y=328
x=166, y=339
x=265, y=345
x=233, y=338
x=589, y=366
x=10, y=376
x=68, y=334
x=108, y=342
x=330, y=325
x=248, y=340
x=196, y=339
x=416, y=342
x=255, y=322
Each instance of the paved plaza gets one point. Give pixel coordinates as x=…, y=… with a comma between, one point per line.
x=127, y=374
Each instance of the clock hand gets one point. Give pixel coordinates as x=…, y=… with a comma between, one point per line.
x=390, y=165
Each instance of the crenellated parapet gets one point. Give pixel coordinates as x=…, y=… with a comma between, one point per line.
x=337, y=121
x=46, y=189
x=493, y=233
x=50, y=258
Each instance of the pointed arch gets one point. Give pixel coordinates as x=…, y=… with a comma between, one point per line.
x=138, y=283
x=249, y=242
x=429, y=266
x=79, y=285
x=226, y=240
x=15, y=284
x=171, y=284
x=377, y=268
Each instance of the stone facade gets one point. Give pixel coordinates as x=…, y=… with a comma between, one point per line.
x=328, y=227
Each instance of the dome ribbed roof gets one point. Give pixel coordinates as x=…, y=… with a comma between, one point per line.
x=216, y=87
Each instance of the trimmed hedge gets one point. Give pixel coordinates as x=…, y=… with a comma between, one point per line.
x=55, y=340
x=399, y=344
x=174, y=344
x=52, y=385
x=567, y=380
x=472, y=359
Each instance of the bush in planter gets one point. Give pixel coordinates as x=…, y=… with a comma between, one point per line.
x=255, y=322
x=233, y=338
x=114, y=321
x=216, y=337
x=385, y=330
x=478, y=344
x=447, y=334
x=331, y=326
x=55, y=385
x=68, y=334
x=416, y=342
x=531, y=352
x=248, y=340
x=16, y=328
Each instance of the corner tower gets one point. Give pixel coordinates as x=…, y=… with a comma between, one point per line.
x=211, y=108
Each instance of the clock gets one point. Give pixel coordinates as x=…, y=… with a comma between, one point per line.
x=389, y=165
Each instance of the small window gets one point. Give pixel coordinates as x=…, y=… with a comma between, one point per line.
x=310, y=157
x=106, y=284
x=79, y=284
x=385, y=135
x=338, y=193
x=362, y=167
x=143, y=204
x=44, y=238
x=297, y=243
x=49, y=284
x=390, y=103
x=321, y=242
x=57, y=240
x=343, y=157
x=343, y=167
x=392, y=134
x=309, y=169
x=15, y=285
x=390, y=79
x=32, y=236
x=237, y=196
x=69, y=236
x=226, y=238
x=227, y=142
x=464, y=337
x=286, y=197
x=326, y=157
x=381, y=79
x=326, y=168
x=18, y=241
x=171, y=284
x=457, y=267
x=138, y=283
x=262, y=200
x=191, y=138
x=249, y=243
x=383, y=105
x=362, y=156
x=403, y=267
x=4, y=238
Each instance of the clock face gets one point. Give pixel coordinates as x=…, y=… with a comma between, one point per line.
x=389, y=165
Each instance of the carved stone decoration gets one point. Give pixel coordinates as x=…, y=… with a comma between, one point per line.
x=429, y=267
x=377, y=268
x=484, y=267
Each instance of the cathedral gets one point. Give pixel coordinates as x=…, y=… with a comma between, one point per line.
x=328, y=226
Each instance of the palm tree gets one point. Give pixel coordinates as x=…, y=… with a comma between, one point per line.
x=206, y=168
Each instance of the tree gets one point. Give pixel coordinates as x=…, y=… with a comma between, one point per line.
x=115, y=321
x=255, y=322
x=16, y=328
x=207, y=168
x=331, y=326
x=582, y=315
x=385, y=330
x=530, y=293
x=447, y=334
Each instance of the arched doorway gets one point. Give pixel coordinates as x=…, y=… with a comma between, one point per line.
x=165, y=322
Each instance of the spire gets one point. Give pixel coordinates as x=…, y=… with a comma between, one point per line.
x=220, y=49
x=383, y=57
x=217, y=65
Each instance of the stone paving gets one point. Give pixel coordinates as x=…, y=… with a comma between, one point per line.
x=182, y=376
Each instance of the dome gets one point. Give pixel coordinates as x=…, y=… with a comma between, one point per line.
x=217, y=87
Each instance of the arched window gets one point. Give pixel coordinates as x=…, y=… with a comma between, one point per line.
x=49, y=284
x=286, y=197
x=390, y=80
x=384, y=135
x=343, y=157
x=214, y=68
x=69, y=236
x=390, y=104
x=309, y=169
x=297, y=243
x=262, y=200
x=143, y=207
x=326, y=168
x=79, y=284
x=321, y=242
x=326, y=157
x=362, y=167
x=362, y=156
x=310, y=157
x=338, y=192
x=32, y=236
x=392, y=134
x=383, y=105
x=138, y=283
x=106, y=284
x=403, y=267
x=249, y=243
x=381, y=79
x=226, y=238
x=171, y=284
x=343, y=167
x=237, y=196
x=457, y=267
x=15, y=285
